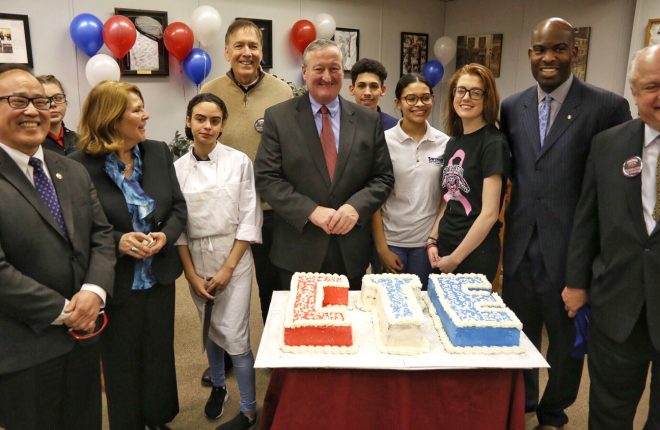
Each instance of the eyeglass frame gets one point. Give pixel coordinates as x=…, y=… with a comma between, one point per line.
x=82, y=335
x=29, y=100
x=54, y=97
x=418, y=99
x=469, y=93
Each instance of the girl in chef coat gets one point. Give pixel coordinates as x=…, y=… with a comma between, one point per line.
x=224, y=217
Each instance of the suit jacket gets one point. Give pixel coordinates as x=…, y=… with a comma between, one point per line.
x=39, y=266
x=70, y=139
x=611, y=254
x=547, y=181
x=291, y=176
x=160, y=183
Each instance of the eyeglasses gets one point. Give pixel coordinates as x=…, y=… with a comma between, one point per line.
x=475, y=93
x=412, y=99
x=58, y=98
x=101, y=322
x=21, y=102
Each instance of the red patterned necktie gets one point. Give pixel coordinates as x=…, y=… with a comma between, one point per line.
x=328, y=141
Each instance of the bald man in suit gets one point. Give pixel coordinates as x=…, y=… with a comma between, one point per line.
x=57, y=259
x=324, y=167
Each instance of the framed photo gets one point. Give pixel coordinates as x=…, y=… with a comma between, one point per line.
x=414, y=52
x=579, y=67
x=348, y=40
x=653, y=32
x=266, y=27
x=148, y=56
x=485, y=49
x=15, y=44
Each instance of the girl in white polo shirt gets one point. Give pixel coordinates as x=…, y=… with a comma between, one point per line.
x=401, y=226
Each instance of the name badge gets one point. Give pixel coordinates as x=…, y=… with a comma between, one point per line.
x=259, y=125
x=632, y=167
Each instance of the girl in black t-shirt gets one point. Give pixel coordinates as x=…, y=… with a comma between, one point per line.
x=464, y=238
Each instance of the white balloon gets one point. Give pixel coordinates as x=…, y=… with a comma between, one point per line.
x=325, y=26
x=444, y=49
x=101, y=67
x=205, y=24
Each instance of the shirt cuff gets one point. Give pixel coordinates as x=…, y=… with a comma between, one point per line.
x=96, y=290
x=63, y=315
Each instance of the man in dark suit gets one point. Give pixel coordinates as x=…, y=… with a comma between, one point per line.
x=614, y=257
x=549, y=127
x=323, y=189
x=57, y=261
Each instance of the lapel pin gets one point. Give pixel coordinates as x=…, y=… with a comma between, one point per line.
x=632, y=167
x=569, y=116
x=58, y=175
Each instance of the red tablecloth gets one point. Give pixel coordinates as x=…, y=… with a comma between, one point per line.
x=338, y=399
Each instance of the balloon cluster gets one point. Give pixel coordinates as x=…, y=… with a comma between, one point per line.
x=445, y=51
x=119, y=35
x=304, y=31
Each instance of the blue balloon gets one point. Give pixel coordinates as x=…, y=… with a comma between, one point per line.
x=433, y=72
x=87, y=33
x=197, y=65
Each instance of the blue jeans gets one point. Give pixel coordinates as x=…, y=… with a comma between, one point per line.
x=244, y=368
x=415, y=261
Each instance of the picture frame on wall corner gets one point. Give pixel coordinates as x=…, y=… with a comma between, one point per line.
x=579, y=66
x=148, y=57
x=15, y=45
x=348, y=40
x=414, y=52
x=652, y=32
x=266, y=27
x=484, y=49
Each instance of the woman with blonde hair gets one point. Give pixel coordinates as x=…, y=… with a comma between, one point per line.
x=465, y=235
x=139, y=192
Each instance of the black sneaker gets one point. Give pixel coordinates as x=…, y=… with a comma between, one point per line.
x=215, y=405
x=239, y=422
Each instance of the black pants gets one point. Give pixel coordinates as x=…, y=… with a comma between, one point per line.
x=536, y=300
x=618, y=377
x=266, y=272
x=138, y=359
x=63, y=393
x=484, y=259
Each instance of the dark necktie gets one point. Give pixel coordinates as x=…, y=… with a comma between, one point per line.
x=656, y=209
x=47, y=192
x=328, y=141
x=544, y=118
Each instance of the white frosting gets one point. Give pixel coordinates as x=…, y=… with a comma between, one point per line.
x=370, y=282
x=403, y=340
x=332, y=315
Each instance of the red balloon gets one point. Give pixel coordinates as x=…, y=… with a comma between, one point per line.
x=178, y=39
x=303, y=33
x=119, y=35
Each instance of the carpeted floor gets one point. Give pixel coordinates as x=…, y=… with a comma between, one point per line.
x=190, y=362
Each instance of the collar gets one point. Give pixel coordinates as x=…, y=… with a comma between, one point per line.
x=333, y=106
x=58, y=138
x=248, y=87
x=214, y=155
x=650, y=134
x=559, y=94
x=22, y=159
x=431, y=133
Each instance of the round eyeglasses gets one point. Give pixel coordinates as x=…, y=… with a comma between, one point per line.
x=412, y=99
x=474, y=93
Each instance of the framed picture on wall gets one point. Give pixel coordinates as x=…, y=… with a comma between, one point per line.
x=414, y=52
x=579, y=67
x=15, y=44
x=348, y=40
x=484, y=49
x=148, y=56
x=653, y=32
x=266, y=27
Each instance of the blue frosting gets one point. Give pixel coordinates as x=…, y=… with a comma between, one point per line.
x=465, y=306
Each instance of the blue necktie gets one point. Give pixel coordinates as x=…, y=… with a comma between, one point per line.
x=544, y=118
x=47, y=192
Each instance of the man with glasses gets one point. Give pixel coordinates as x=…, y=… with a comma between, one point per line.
x=59, y=138
x=324, y=167
x=57, y=257
x=549, y=127
x=368, y=86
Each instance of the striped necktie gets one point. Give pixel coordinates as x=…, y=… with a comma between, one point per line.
x=544, y=118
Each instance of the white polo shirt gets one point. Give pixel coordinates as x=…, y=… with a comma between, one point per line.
x=411, y=208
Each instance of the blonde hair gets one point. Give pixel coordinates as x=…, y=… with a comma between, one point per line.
x=453, y=124
x=102, y=110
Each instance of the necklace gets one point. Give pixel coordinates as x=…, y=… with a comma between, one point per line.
x=128, y=166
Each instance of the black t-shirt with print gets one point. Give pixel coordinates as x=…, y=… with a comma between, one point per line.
x=468, y=160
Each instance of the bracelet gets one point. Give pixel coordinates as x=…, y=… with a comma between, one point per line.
x=431, y=245
x=430, y=241
x=432, y=238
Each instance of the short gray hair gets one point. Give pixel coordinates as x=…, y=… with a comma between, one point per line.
x=319, y=44
x=644, y=52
